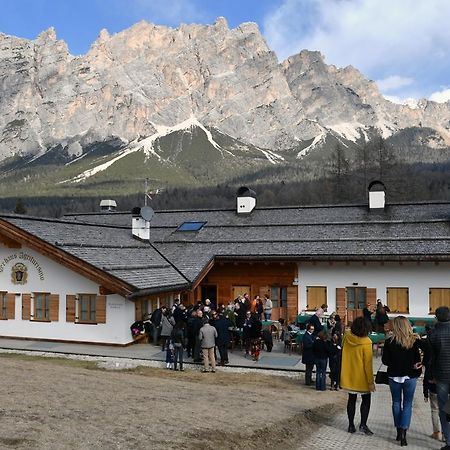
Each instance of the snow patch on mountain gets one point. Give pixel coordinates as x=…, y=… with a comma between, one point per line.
x=147, y=145
x=272, y=156
x=319, y=139
x=349, y=130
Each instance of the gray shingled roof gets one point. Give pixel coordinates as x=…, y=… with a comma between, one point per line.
x=110, y=249
x=348, y=232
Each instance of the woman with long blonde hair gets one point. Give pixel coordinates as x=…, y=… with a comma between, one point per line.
x=401, y=355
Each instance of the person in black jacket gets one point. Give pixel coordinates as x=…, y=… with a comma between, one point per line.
x=334, y=350
x=367, y=314
x=196, y=326
x=381, y=317
x=429, y=386
x=246, y=332
x=155, y=319
x=316, y=320
x=178, y=337
x=255, y=336
x=402, y=357
x=222, y=325
x=321, y=353
x=307, y=353
x=440, y=344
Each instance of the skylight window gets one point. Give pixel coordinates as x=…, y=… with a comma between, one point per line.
x=191, y=226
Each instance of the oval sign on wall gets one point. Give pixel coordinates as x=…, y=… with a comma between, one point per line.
x=19, y=273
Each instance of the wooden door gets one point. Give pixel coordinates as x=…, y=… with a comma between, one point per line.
x=356, y=298
x=279, y=297
x=240, y=290
x=210, y=291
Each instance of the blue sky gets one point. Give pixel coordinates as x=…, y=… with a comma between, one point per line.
x=404, y=45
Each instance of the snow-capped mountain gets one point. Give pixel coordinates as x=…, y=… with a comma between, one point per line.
x=140, y=94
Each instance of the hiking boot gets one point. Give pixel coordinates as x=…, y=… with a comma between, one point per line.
x=365, y=429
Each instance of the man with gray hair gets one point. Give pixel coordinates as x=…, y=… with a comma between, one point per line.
x=440, y=344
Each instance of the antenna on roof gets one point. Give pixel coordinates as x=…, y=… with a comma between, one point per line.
x=148, y=192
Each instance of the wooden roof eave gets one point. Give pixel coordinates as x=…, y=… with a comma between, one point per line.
x=58, y=255
x=199, y=278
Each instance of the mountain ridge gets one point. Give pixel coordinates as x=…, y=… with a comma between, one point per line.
x=142, y=84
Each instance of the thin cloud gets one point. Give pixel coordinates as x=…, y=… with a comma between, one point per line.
x=382, y=38
x=441, y=96
x=394, y=82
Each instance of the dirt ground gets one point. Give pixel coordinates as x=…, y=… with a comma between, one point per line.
x=66, y=404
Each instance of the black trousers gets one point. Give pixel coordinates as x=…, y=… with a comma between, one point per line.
x=365, y=408
x=308, y=373
x=223, y=352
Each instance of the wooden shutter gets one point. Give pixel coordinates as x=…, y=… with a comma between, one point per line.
x=100, y=309
x=70, y=308
x=26, y=306
x=398, y=299
x=341, y=307
x=292, y=303
x=371, y=296
x=438, y=297
x=316, y=296
x=54, y=307
x=11, y=306
x=137, y=309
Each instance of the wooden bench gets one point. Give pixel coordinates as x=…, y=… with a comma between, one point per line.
x=140, y=339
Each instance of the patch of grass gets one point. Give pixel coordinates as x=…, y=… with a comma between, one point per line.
x=66, y=362
x=219, y=378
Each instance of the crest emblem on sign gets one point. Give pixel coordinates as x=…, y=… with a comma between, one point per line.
x=19, y=273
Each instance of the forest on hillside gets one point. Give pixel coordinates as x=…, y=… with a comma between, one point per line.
x=273, y=187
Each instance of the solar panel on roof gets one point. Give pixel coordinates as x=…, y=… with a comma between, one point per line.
x=191, y=226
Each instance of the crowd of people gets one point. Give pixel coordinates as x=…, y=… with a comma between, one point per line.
x=202, y=329
x=405, y=354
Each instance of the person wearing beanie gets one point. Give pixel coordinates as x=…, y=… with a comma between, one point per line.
x=440, y=344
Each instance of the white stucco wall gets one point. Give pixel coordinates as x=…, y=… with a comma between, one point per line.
x=417, y=277
x=45, y=275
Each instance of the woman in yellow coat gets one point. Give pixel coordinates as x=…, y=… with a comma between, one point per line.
x=357, y=372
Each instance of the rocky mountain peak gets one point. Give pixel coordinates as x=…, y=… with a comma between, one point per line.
x=46, y=35
x=149, y=76
x=221, y=23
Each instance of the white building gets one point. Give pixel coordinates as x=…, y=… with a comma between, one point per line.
x=88, y=277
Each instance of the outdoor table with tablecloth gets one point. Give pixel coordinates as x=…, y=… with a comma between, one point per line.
x=376, y=338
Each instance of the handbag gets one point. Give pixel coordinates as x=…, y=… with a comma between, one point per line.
x=381, y=376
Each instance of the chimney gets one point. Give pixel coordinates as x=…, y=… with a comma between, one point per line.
x=376, y=195
x=140, y=222
x=246, y=200
x=108, y=205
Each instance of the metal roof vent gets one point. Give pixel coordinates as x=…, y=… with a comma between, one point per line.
x=108, y=205
x=377, y=195
x=246, y=200
x=140, y=222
